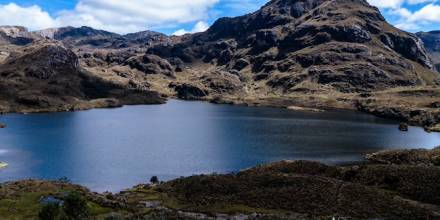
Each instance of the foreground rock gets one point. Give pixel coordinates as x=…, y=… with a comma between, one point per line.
x=2, y=125
x=395, y=185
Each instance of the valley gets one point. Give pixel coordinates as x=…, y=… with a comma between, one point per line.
x=315, y=54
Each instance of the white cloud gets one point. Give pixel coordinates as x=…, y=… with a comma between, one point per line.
x=415, y=2
x=31, y=17
x=122, y=16
x=198, y=27
x=387, y=3
x=411, y=20
x=395, y=4
x=430, y=13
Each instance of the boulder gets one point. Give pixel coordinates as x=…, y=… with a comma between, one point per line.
x=435, y=105
x=190, y=92
x=403, y=127
x=150, y=64
x=2, y=125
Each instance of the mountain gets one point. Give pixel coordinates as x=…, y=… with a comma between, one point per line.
x=40, y=74
x=300, y=53
x=312, y=53
x=343, y=45
x=16, y=35
x=88, y=37
x=432, y=44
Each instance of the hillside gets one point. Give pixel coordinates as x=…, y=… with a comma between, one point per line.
x=42, y=75
x=393, y=185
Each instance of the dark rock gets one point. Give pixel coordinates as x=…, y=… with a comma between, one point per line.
x=2, y=125
x=403, y=127
x=409, y=46
x=189, y=92
x=435, y=105
x=222, y=82
x=240, y=64
x=151, y=64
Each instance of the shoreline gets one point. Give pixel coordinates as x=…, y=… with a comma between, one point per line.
x=276, y=103
x=298, y=190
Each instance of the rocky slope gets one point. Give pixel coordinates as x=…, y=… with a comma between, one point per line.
x=43, y=75
x=432, y=45
x=340, y=45
x=394, y=185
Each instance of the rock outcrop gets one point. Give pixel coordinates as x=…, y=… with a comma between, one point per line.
x=431, y=41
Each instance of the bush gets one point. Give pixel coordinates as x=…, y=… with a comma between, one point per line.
x=75, y=206
x=154, y=180
x=51, y=211
x=436, y=161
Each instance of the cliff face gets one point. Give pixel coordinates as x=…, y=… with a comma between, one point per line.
x=431, y=41
x=343, y=45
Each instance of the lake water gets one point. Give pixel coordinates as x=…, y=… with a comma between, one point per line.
x=113, y=149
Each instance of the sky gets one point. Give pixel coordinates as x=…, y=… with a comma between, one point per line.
x=180, y=16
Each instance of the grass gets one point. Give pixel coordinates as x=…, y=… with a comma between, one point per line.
x=25, y=206
x=96, y=210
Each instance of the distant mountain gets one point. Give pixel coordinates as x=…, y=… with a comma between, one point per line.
x=16, y=35
x=87, y=36
x=432, y=44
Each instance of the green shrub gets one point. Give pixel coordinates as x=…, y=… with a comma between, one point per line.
x=436, y=161
x=154, y=180
x=75, y=206
x=51, y=211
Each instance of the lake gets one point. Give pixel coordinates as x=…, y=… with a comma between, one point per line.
x=113, y=149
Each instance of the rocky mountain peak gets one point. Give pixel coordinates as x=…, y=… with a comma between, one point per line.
x=294, y=8
x=13, y=31
x=345, y=44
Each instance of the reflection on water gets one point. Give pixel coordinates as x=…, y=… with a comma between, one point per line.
x=112, y=149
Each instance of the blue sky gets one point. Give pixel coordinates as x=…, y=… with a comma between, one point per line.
x=180, y=16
